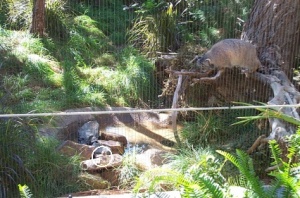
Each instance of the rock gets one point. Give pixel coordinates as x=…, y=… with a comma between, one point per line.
x=70, y=148
x=95, y=181
x=151, y=158
x=111, y=175
x=88, y=133
x=237, y=191
x=102, y=162
x=114, y=137
x=65, y=127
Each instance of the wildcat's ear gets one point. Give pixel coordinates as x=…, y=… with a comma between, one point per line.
x=208, y=61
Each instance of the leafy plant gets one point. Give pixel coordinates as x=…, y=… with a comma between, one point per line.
x=161, y=178
x=54, y=174
x=155, y=28
x=204, y=130
x=24, y=191
x=14, y=147
x=285, y=183
x=56, y=17
x=45, y=171
x=214, y=128
x=287, y=170
x=245, y=165
x=19, y=13
x=285, y=163
x=128, y=171
x=195, y=172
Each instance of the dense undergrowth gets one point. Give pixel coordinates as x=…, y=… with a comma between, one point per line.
x=200, y=172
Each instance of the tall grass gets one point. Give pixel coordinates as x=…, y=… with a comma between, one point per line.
x=15, y=145
x=54, y=173
x=29, y=159
x=215, y=128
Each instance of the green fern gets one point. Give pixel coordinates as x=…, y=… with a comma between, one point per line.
x=286, y=175
x=210, y=186
x=276, y=153
x=204, y=186
x=24, y=191
x=287, y=172
x=244, y=163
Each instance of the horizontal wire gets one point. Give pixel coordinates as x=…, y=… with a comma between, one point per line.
x=143, y=111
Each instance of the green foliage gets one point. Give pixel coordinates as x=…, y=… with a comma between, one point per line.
x=54, y=173
x=193, y=171
x=266, y=113
x=86, y=80
x=19, y=13
x=110, y=17
x=135, y=76
x=285, y=170
x=15, y=145
x=214, y=20
x=56, y=19
x=24, y=191
x=198, y=178
x=204, y=130
x=155, y=28
x=86, y=39
x=214, y=128
x=245, y=165
x=195, y=162
x=165, y=25
x=26, y=158
x=128, y=171
x=288, y=166
x=203, y=187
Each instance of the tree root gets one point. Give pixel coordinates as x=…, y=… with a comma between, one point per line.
x=259, y=142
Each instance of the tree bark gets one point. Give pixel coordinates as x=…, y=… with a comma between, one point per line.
x=274, y=26
x=38, y=18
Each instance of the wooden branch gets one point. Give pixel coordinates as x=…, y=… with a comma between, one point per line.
x=174, y=113
x=261, y=140
x=272, y=168
x=188, y=73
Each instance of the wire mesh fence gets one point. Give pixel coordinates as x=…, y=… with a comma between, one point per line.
x=138, y=69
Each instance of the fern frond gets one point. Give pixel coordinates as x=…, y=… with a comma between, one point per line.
x=290, y=184
x=24, y=191
x=244, y=164
x=276, y=153
x=229, y=157
x=210, y=187
x=273, y=189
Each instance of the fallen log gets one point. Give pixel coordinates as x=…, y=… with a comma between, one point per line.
x=284, y=93
x=102, y=162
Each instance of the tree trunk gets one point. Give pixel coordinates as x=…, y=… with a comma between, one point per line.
x=273, y=27
x=38, y=18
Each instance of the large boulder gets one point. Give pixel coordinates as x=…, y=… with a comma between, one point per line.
x=70, y=148
x=151, y=158
x=95, y=181
x=113, y=136
x=88, y=133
